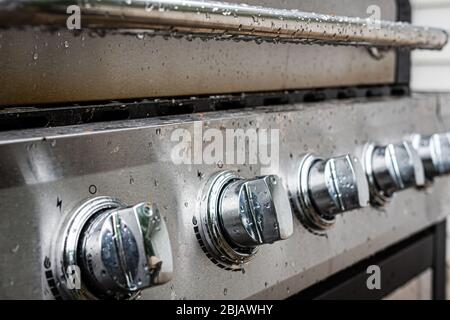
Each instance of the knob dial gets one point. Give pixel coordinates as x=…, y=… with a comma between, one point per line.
x=323, y=189
x=390, y=169
x=434, y=151
x=238, y=215
x=119, y=250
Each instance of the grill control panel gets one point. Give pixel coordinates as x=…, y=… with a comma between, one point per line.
x=130, y=222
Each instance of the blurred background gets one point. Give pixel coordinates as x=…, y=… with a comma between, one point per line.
x=430, y=72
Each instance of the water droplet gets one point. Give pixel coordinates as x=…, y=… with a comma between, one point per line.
x=66, y=44
x=225, y=291
x=35, y=56
x=15, y=249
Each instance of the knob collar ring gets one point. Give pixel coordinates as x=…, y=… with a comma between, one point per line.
x=301, y=198
x=67, y=245
x=377, y=197
x=212, y=238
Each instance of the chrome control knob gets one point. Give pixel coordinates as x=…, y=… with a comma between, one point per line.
x=434, y=151
x=390, y=169
x=323, y=189
x=253, y=212
x=119, y=250
x=238, y=215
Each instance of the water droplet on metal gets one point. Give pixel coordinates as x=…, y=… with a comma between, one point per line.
x=15, y=249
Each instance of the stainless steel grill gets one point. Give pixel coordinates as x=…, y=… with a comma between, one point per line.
x=144, y=157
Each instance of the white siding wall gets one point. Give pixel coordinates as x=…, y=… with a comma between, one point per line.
x=431, y=69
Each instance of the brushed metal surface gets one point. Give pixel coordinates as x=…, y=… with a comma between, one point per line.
x=41, y=67
x=46, y=173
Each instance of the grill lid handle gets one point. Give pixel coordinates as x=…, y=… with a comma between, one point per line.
x=220, y=20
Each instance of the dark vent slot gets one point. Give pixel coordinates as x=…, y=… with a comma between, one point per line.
x=275, y=101
x=346, y=94
x=23, y=123
x=105, y=115
x=374, y=93
x=170, y=110
x=229, y=105
x=314, y=97
x=399, y=91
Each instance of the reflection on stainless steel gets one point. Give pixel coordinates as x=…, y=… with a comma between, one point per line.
x=238, y=215
x=392, y=168
x=39, y=165
x=224, y=21
x=321, y=189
